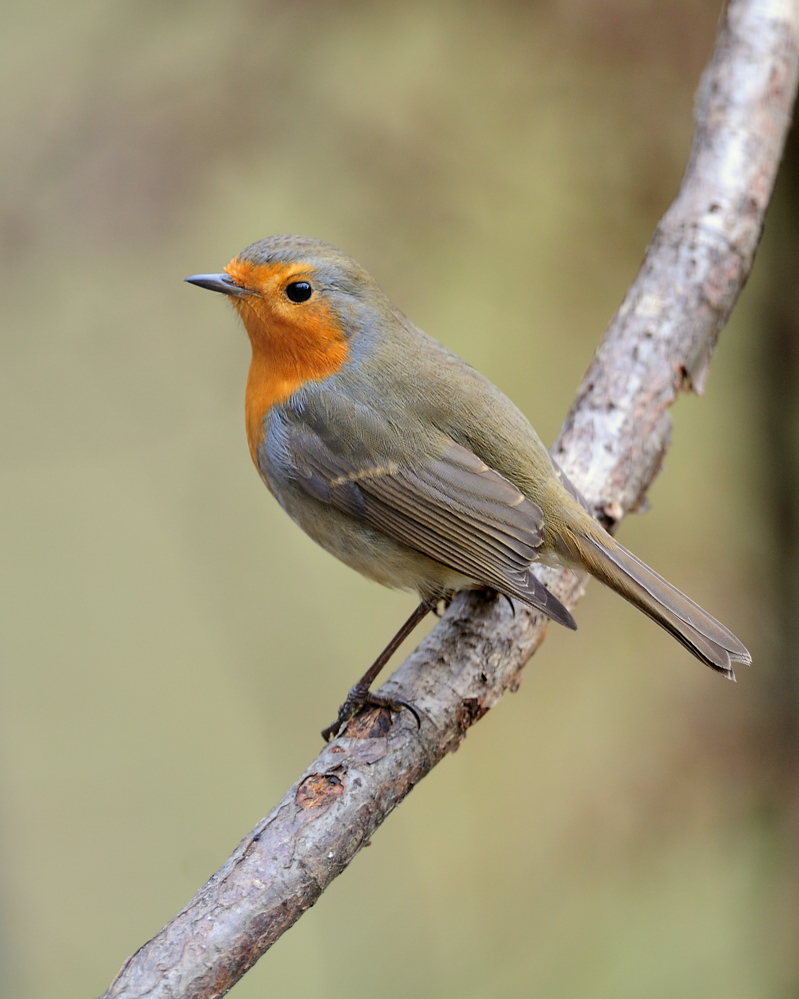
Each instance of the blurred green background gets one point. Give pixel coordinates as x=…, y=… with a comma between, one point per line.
x=171, y=643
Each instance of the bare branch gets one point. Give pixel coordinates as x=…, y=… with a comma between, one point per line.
x=611, y=446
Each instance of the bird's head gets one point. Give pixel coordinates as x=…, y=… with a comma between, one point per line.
x=295, y=292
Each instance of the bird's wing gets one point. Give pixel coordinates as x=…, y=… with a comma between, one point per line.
x=452, y=508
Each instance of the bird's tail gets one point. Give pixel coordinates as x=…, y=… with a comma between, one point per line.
x=700, y=633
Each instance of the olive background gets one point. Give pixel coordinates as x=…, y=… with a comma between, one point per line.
x=171, y=644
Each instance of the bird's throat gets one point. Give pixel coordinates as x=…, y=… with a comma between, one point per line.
x=280, y=365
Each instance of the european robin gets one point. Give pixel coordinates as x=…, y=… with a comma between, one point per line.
x=407, y=464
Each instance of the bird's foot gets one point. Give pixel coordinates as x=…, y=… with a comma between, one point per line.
x=359, y=697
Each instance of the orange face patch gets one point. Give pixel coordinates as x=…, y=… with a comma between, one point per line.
x=292, y=342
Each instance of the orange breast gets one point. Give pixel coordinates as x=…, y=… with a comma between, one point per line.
x=291, y=344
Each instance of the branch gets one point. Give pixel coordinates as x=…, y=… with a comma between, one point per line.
x=611, y=447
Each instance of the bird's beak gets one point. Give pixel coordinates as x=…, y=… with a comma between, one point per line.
x=219, y=282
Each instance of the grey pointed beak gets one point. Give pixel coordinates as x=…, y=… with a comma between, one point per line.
x=219, y=282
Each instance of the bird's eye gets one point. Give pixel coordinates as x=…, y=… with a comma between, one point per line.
x=298, y=291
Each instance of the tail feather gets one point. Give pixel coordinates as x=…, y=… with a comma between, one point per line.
x=700, y=633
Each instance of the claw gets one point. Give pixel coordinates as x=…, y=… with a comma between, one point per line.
x=360, y=697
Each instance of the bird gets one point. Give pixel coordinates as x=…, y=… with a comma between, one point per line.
x=410, y=466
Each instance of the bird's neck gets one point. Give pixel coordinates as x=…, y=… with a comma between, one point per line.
x=282, y=362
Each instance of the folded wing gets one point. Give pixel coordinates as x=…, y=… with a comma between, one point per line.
x=452, y=508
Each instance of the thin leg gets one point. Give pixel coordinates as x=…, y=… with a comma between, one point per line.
x=360, y=693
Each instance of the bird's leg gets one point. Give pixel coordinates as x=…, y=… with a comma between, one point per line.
x=361, y=695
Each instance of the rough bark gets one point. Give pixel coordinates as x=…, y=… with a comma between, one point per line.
x=611, y=446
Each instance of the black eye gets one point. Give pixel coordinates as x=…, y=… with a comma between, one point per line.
x=298, y=291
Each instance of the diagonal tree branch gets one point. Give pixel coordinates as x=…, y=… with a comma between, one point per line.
x=611, y=446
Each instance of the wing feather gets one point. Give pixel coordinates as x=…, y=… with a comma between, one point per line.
x=452, y=508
